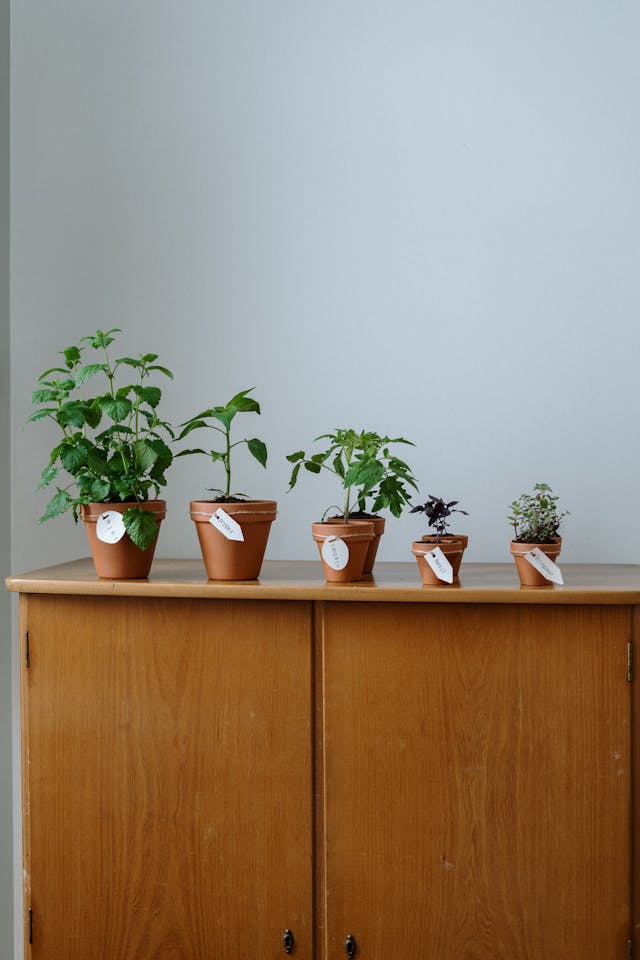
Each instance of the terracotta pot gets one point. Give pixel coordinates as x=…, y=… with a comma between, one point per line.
x=452, y=549
x=121, y=560
x=234, y=559
x=456, y=560
x=529, y=576
x=372, y=549
x=355, y=535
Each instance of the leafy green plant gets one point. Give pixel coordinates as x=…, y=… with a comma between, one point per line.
x=113, y=443
x=224, y=416
x=437, y=512
x=535, y=516
x=365, y=468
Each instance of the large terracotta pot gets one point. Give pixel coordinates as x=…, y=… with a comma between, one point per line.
x=121, y=560
x=452, y=549
x=234, y=559
x=351, y=539
x=529, y=576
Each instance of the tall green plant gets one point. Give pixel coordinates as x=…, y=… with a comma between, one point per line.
x=535, y=516
x=223, y=417
x=114, y=444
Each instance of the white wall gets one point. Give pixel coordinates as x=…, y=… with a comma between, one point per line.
x=417, y=217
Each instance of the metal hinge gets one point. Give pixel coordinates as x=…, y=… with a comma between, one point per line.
x=30, y=925
x=26, y=649
x=629, y=661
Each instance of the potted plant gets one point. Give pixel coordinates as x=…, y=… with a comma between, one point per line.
x=113, y=450
x=536, y=521
x=438, y=511
x=232, y=530
x=362, y=464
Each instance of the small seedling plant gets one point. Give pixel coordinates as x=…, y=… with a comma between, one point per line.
x=220, y=420
x=365, y=468
x=535, y=516
x=437, y=511
x=114, y=445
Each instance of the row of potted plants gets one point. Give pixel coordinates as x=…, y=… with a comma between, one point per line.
x=115, y=450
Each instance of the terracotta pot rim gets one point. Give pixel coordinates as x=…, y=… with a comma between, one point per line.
x=446, y=543
x=89, y=512
x=519, y=549
x=333, y=528
x=244, y=510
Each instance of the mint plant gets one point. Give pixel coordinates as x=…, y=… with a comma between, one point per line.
x=535, y=516
x=365, y=468
x=223, y=417
x=114, y=445
x=438, y=512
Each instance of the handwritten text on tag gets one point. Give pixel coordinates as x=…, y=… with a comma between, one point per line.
x=440, y=565
x=110, y=526
x=335, y=553
x=227, y=526
x=544, y=565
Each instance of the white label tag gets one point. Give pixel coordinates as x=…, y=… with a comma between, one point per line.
x=440, y=565
x=543, y=565
x=227, y=526
x=110, y=526
x=335, y=553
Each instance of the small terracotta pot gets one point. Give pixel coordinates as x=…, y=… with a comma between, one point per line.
x=452, y=549
x=234, y=559
x=372, y=549
x=529, y=576
x=356, y=536
x=456, y=560
x=121, y=560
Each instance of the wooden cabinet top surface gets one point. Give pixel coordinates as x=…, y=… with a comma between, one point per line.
x=302, y=580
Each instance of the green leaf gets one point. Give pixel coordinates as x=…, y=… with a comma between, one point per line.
x=57, y=505
x=187, y=453
x=192, y=425
x=141, y=525
x=338, y=465
x=99, y=491
x=164, y=459
x=244, y=404
x=259, y=450
x=46, y=396
x=73, y=414
x=364, y=473
x=298, y=455
x=82, y=374
x=145, y=455
x=224, y=414
x=117, y=410
x=41, y=414
x=73, y=458
x=150, y=395
x=294, y=475
x=96, y=462
x=312, y=467
x=164, y=370
x=71, y=356
x=48, y=474
x=148, y=358
x=102, y=340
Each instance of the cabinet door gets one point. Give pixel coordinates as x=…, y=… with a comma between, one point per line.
x=168, y=790
x=477, y=781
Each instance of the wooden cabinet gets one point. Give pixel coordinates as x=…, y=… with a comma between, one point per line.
x=443, y=773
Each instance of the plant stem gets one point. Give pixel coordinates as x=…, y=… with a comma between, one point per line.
x=227, y=462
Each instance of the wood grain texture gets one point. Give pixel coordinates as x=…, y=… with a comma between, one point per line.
x=477, y=781
x=169, y=778
x=396, y=582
